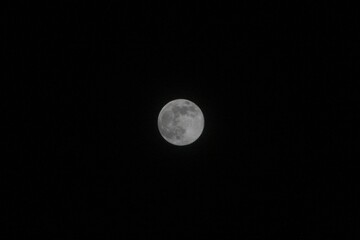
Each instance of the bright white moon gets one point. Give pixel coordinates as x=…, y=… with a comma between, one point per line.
x=181, y=122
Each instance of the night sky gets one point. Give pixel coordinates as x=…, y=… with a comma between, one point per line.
x=85, y=82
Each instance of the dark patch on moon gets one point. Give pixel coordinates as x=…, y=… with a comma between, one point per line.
x=166, y=118
x=182, y=110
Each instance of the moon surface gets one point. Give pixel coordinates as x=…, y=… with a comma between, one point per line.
x=181, y=122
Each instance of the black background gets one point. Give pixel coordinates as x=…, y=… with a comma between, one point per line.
x=85, y=82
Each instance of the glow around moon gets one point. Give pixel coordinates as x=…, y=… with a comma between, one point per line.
x=181, y=122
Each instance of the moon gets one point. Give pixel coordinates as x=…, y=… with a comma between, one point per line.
x=181, y=122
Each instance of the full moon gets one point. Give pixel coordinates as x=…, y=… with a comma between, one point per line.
x=181, y=122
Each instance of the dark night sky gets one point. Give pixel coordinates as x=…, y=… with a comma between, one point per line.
x=87, y=81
